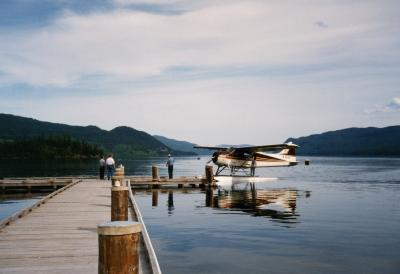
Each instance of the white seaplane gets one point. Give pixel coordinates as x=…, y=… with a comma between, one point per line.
x=252, y=157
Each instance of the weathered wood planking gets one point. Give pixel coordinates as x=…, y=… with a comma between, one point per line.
x=32, y=185
x=61, y=235
x=146, y=180
x=86, y=177
x=25, y=211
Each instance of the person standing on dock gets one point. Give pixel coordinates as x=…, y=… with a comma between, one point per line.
x=102, y=167
x=110, y=163
x=170, y=165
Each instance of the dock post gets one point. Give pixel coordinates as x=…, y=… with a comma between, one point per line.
x=155, y=176
x=118, y=178
x=119, y=247
x=155, y=173
x=119, y=203
x=209, y=175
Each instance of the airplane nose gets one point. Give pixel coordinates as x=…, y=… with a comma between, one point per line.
x=215, y=157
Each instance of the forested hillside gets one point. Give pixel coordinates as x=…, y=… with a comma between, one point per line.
x=369, y=141
x=122, y=141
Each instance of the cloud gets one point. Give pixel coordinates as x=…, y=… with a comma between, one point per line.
x=321, y=24
x=127, y=44
x=392, y=106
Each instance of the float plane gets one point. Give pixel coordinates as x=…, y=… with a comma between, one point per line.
x=252, y=157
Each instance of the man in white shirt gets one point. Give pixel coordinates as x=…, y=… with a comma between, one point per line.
x=110, y=163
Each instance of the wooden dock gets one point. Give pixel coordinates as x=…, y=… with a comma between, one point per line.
x=149, y=182
x=33, y=185
x=59, y=235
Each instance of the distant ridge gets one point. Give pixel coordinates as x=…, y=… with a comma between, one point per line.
x=189, y=147
x=181, y=145
x=369, y=141
x=122, y=141
x=125, y=141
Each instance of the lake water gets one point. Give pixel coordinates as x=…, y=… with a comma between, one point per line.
x=338, y=215
x=9, y=204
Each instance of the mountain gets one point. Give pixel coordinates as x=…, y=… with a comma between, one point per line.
x=182, y=145
x=60, y=139
x=369, y=141
x=121, y=141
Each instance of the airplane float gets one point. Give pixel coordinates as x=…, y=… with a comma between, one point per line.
x=252, y=157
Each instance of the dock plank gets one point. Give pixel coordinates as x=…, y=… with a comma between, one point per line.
x=59, y=236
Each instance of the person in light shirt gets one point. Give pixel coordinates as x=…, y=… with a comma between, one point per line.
x=110, y=163
x=170, y=165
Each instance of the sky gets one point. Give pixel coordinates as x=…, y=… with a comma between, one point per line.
x=205, y=71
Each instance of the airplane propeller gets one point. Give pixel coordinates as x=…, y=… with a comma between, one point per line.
x=214, y=157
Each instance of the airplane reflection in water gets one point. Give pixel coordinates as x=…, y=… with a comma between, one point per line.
x=277, y=204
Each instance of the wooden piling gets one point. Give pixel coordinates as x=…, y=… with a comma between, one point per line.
x=119, y=203
x=209, y=175
x=307, y=162
x=118, y=178
x=119, y=247
x=119, y=172
x=155, y=173
x=114, y=181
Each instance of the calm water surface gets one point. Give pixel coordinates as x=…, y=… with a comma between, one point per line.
x=338, y=215
x=9, y=204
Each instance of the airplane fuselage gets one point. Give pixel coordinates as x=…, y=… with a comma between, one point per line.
x=259, y=160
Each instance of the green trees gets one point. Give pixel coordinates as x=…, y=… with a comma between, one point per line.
x=49, y=147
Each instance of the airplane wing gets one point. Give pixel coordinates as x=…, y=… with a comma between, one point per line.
x=266, y=147
x=212, y=148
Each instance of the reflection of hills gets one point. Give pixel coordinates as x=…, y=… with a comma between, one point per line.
x=279, y=205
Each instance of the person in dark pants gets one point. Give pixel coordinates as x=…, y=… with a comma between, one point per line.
x=102, y=167
x=110, y=163
x=170, y=165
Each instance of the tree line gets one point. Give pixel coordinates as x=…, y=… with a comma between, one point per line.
x=49, y=147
